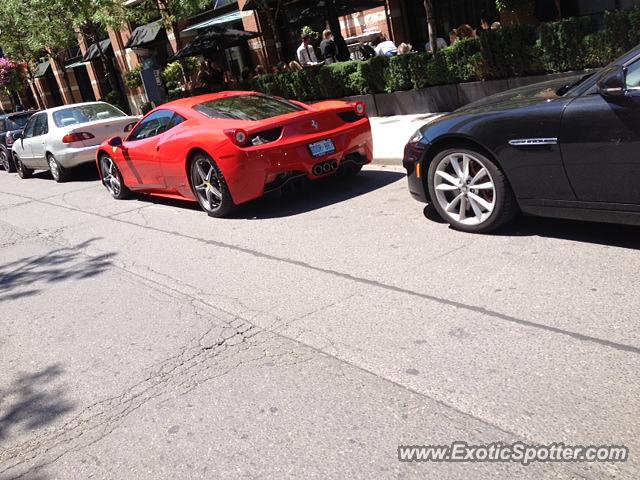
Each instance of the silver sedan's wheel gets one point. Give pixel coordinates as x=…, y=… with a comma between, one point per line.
x=465, y=189
x=111, y=178
x=469, y=191
x=57, y=172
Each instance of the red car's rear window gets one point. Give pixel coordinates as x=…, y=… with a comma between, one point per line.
x=247, y=107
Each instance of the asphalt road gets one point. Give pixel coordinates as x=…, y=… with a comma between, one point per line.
x=307, y=337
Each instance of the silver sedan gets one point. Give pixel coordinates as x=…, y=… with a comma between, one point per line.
x=58, y=139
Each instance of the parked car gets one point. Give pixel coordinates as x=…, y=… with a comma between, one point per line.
x=566, y=149
x=11, y=124
x=58, y=139
x=228, y=148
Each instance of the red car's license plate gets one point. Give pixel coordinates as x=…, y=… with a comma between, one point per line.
x=322, y=148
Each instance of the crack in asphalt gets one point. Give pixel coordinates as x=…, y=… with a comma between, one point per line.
x=365, y=281
x=191, y=364
x=220, y=349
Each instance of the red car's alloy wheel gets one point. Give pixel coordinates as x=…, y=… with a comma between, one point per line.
x=111, y=178
x=209, y=186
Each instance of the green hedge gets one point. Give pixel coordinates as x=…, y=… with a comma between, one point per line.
x=509, y=52
x=562, y=42
x=397, y=76
x=570, y=44
x=463, y=59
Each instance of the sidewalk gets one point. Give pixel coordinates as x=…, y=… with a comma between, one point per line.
x=391, y=134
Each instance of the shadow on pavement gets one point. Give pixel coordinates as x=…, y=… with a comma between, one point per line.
x=316, y=195
x=623, y=236
x=313, y=196
x=84, y=173
x=18, y=278
x=609, y=234
x=31, y=403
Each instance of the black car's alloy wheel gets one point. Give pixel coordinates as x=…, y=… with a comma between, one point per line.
x=112, y=178
x=58, y=173
x=469, y=191
x=209, y=186
x=23, y=172
x=6, y=163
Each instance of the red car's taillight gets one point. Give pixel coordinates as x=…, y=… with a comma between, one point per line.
x=77, y=137
x=360, y=109
x=8, y=139
x=129, y=126
x=238, y=136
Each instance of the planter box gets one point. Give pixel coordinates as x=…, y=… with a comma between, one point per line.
x=444, y=98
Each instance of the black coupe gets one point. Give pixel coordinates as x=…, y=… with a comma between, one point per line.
x=563, y=148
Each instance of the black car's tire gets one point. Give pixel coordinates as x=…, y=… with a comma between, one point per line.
x=112, y=178
x=209, y=186
x=23, y=172
x=469, y=191
x=58, y=173
x=6, y=161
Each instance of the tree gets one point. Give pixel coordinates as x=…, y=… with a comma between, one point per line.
x=334, y=25
x=270, y=10
x=511, y=6
x=431, y=22
x=170, y=11
x=10, y=80
x=13, y=32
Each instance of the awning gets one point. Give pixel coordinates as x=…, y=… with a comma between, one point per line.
x=93, y=53
x=146, y=34
x=311, y=10
x=41, y=69
x=348, y=6
x=215, y=39
x=79, y=63
x=221, y=20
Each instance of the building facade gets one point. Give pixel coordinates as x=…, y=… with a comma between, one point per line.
x=89, y=71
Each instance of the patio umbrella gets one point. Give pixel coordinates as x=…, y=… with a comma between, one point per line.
x=215, y=39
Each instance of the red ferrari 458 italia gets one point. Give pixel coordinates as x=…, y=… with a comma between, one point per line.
x=228, y=148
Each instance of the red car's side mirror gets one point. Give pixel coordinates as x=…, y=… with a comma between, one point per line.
x=115, y=142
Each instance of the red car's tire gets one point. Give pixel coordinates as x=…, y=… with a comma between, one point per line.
x=112, y=178
x=209, y=186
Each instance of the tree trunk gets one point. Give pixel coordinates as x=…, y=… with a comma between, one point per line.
x=431, y=23
x=334, y=25
x=34, y=89
x=273, y=25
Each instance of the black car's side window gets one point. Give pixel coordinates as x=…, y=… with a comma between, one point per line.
x=155, y=124
x=28, y=129
x=633, y=76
